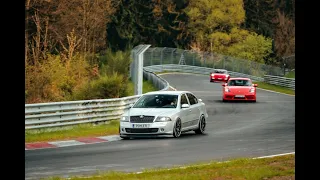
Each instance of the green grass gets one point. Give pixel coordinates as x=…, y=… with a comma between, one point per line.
x=70, y=132
x=281, y=167
x=276, y=88
x=83, y=130
x=291, y=74
x=147, y=87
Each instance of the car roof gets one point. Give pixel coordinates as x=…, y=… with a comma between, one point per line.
x=168, y=92
x=239, y=78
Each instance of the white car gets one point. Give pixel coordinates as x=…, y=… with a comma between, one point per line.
x=164, y=113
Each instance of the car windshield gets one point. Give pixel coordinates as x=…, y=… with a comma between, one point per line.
x=239, y=82
x=220, y=71
x=157, y=101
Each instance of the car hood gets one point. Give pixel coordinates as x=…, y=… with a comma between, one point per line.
x=240, y=89
x=150, y=112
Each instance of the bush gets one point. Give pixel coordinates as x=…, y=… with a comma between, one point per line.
x=113, y=86
x=55, y=80
x=115, y=62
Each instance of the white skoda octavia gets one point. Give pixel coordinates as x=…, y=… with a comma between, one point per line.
x=164, y=113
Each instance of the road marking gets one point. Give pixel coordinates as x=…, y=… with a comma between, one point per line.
x=111, y=138
x=66, y=143
x=173, y=88
x=262, y=157
x=184, y=167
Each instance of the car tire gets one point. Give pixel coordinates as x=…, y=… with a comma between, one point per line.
x=201, y=125
x=177, y=129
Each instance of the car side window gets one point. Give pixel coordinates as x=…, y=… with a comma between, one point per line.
x=192, y=99
x=183, y=100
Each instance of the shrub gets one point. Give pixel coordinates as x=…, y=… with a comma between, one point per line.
x=113, y=86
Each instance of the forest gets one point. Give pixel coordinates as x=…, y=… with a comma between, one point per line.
x=80, y=49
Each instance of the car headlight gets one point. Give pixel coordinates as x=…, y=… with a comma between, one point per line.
x=162, y=119
x=226, y=89
x=251, y=90
x=124, y=119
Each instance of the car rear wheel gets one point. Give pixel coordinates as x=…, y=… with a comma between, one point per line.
x=177, y=129
x=202, y=126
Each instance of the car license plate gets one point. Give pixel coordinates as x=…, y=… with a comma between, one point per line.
x=140, y=125
x=219, y=78
x=239, y=96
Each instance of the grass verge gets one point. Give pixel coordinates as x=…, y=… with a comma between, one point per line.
x=82, y=130
x=147, y=87
x=291, y=74
x=276, y=88
x=71, y=132
x=276, y=168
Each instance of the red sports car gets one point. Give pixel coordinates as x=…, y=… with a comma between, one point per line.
x=239, y=89
x=220, y=75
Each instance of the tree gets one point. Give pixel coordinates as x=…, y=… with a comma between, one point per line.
x=215, y=27
x=48, y=23
x=260, y=15
x=285, y=37
x=210, y=21
x=155, y=22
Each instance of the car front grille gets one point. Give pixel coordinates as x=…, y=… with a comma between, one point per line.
x=144, y=119
x=141, y=130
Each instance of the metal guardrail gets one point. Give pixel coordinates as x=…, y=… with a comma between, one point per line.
x=56, y=114
x=280, y=81
x=275, y=80
x=194, y=69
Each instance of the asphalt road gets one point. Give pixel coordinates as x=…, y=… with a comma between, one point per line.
x=234, y=130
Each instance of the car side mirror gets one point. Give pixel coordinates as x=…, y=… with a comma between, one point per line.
x=224, y=84
x=185, y=106
x=130, y=105
x=200, y=100
x=255, y=85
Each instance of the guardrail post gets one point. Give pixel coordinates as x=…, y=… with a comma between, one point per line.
x=161, y=59
x=172, y=56
x=138, y=69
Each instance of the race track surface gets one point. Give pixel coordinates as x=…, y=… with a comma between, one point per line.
x=234, y=130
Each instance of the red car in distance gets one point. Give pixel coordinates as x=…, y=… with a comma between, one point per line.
x=239, y=89
x=219, y=75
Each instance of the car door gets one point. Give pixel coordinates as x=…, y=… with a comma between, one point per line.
x=184, y=112
x=194, y=109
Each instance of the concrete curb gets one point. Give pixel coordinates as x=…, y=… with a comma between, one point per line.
x=74, y=142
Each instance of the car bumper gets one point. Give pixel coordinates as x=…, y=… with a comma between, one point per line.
x=232, y=97
x=218, y=79
x=128, y=129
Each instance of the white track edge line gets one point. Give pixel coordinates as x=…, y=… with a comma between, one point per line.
x=261, y=157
